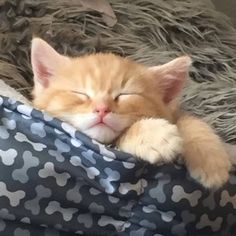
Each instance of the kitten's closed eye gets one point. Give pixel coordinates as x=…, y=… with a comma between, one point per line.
x=123, y=96
x=82, y=95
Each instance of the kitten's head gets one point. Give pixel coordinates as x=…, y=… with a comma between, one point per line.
x=103, y=94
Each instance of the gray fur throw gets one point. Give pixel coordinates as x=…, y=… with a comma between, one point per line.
x=150, y=31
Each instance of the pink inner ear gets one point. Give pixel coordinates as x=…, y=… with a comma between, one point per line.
x=45, y=61
x=171, y=77
x=43, y=74
x=173, y=85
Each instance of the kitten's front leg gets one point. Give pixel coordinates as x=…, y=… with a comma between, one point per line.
x=152, y=140
x=204, y=153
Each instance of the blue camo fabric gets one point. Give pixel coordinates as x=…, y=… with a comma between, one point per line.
x=56, y=181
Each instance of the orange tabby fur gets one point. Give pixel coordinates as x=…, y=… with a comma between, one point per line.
x=138, y=111
x=102, y=76
x=204, y=152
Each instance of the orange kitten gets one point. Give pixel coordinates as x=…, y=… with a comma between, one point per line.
x=113, y=99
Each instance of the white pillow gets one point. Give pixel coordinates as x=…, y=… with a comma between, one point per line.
x=7, y=91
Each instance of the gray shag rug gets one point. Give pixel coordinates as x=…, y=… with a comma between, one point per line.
x=149, y=31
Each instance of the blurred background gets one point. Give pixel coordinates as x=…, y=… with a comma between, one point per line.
x=228, y=7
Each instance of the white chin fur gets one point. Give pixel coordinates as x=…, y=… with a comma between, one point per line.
x=102, y=134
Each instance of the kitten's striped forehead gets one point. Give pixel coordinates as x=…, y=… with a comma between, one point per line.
x=103, y=73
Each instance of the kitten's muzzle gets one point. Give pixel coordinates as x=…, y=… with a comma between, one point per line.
x=101, y=110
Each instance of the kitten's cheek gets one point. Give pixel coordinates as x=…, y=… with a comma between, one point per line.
x=80, y=122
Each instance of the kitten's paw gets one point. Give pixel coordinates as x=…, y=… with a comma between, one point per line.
x=155, y=141
x=213, y=172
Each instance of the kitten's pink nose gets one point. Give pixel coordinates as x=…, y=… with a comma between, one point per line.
x=101, y=110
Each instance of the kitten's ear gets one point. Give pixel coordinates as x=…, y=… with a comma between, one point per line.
x=45, y=62
x=172, y=76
